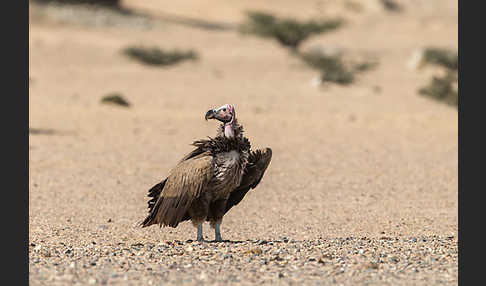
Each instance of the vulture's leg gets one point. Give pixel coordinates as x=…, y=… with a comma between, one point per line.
x=198, y=212
x=217, y=232
x=216, y=212
x=200, y=236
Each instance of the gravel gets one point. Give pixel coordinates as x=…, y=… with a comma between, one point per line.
x=378, y=261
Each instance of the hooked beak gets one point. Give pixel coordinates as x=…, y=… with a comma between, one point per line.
x=210, y=114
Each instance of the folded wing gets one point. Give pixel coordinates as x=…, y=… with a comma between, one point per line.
x=173, y=196
x=258, y=162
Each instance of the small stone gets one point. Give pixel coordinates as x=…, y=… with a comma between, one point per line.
x=416, y=60
x=256, y=251
x=372, y=265
x=315, y=82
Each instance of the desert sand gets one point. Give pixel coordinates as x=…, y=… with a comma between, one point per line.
x=363, y=183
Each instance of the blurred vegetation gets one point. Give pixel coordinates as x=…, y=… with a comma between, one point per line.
x=288, y=32
x=92, y=13
x=445, y=87
x=441, y=57
x=156, y=56
x=111, y=3
x=442, y=88
x=115, y=98
x=334, y=69
x=391, y=5
x=41, y=131
x=292, y=33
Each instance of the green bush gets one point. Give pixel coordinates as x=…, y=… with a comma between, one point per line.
x=288, y=32
x=333, y=68
x=115, y=98
x=259, y=24
x=156, y=56
x=441, y=57
x=391, y=5
x=442, y=88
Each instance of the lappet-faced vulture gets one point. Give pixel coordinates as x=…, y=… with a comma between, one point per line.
x=210, y=180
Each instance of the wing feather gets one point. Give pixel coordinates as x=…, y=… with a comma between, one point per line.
x=185, y=183
x=258, y=162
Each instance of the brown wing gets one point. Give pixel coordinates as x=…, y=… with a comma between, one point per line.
x=193, y=153
x=258, y=162
x=185, y=183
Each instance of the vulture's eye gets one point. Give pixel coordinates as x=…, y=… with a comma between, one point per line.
x=224, y=109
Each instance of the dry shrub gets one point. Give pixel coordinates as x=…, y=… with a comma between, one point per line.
x=288, y=32
x=156, y=56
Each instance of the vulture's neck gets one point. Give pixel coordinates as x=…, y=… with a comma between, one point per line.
x=231, y=130
x=221, y=143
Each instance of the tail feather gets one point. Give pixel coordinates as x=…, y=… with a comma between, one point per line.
x=154, y=193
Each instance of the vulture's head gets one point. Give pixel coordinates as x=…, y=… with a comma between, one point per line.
x=227, y=115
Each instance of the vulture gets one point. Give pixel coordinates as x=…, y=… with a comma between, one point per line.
x=210, y=180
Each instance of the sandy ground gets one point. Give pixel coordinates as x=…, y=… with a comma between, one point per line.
x=362, y=187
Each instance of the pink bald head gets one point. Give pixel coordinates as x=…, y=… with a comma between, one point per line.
x=225, y=114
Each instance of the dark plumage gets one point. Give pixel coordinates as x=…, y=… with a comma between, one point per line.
x=210, y=180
